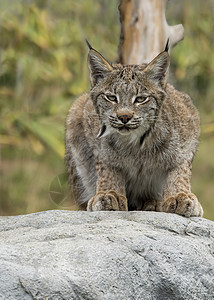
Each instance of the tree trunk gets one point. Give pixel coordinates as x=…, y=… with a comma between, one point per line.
x=144, y=30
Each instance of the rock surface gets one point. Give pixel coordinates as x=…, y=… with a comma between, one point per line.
x=106, y=255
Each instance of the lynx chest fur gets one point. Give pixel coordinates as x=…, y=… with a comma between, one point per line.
x=130, y=142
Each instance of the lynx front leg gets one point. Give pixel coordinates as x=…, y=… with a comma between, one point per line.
x=110, y=193
x=177, y=194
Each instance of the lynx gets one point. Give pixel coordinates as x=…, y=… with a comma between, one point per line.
x=131, y=140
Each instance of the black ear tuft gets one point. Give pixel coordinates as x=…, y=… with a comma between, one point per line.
x=167, y=46
x=88, y=44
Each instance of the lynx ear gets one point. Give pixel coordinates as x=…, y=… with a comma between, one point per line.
x=157, y=69
x=99, y=67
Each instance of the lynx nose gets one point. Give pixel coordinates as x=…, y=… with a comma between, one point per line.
x=124, y=118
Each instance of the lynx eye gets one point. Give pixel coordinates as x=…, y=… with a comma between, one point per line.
x=111, y=98
x=141, y=99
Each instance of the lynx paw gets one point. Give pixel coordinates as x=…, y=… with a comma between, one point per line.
x=107, y=201
x=150, y=205
x=183, y=204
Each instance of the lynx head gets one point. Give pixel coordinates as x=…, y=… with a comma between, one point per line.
x=127, y=98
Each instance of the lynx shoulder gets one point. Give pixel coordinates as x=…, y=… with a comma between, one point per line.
x=131, y=140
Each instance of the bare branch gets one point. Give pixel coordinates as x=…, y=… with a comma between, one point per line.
x=144, y=30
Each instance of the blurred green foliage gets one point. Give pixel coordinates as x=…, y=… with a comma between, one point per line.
x=43, y=68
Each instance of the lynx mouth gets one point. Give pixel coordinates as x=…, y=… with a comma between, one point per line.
x=128, y=127
x=124, y=130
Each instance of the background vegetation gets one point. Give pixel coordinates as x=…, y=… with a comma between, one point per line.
x=43, y=69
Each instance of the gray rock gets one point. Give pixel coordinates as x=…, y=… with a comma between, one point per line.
x=106, y=255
